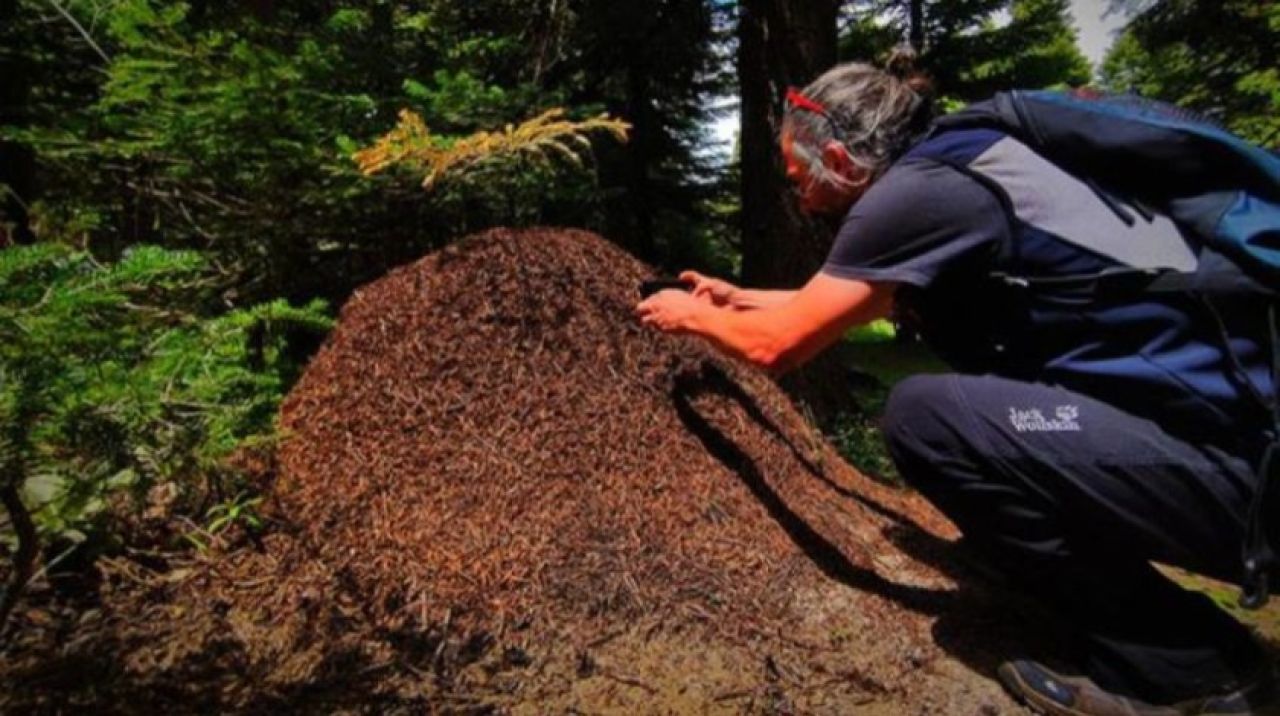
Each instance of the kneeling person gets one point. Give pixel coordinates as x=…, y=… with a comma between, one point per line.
x=1079, y=440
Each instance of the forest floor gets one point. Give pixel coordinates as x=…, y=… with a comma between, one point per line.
x=496, y=493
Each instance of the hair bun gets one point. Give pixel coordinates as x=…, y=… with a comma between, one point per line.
x=901, y=63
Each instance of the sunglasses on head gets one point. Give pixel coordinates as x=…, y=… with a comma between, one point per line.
x=796, y=99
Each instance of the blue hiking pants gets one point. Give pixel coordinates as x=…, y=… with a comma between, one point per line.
x=1072, y=499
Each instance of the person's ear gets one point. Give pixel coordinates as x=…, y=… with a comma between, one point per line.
x=837, y=159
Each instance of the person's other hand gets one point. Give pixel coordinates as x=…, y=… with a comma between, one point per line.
x=670, y=311
x=717, y=292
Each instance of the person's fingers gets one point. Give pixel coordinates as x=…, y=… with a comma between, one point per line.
x=692, y=277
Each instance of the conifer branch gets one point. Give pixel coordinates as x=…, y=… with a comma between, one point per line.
x=544, y=138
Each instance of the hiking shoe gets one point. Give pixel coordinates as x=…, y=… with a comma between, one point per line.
x=1050, y=693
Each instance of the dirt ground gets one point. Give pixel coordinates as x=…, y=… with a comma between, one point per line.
x=242, y=632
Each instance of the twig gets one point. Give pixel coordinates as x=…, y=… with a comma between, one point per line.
x=8, y=190
x=733, y=694
x=83, y=32
x=50, y=564
x=628, y=680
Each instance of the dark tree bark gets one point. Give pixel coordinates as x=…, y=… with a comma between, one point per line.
x=783, y=43
x=24, y=560
x=17, y=162
x=639, y=186
x=780, y=43
x=917, y=26
x=17, y=173
x=265, y=10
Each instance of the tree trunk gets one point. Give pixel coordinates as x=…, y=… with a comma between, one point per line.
x=639, y=187
x=783, y=43
x=17, y=162
x=917, y=26
x=780, y=43
x=24, y=560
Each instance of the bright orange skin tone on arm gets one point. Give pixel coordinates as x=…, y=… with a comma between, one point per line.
x=787, y=333
x=781, y=338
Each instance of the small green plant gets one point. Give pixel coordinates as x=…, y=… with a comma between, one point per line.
x=241, y=510
x=858, y=440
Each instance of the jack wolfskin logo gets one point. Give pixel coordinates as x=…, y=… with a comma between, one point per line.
x=1032, y=420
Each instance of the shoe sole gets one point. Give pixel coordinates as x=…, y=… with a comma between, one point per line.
x=1029, y=697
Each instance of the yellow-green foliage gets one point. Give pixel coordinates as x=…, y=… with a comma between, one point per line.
x=543, y=139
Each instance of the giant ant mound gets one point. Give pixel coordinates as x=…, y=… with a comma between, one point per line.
x=489, y=436
x=501, y=492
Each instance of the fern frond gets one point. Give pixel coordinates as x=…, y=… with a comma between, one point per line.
x=544, y=138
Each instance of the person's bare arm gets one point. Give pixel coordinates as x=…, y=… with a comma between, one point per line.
x=724, y=294
x=779, y=337
x=750, y=299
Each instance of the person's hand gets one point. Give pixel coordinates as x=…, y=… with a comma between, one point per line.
x=670, y=311
x=717, y=292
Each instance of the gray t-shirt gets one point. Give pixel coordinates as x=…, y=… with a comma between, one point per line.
x=920, y=219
